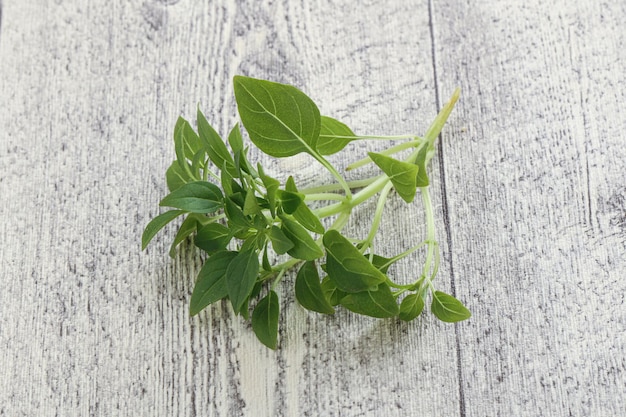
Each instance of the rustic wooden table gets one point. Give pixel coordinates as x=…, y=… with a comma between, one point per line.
x=529, y=188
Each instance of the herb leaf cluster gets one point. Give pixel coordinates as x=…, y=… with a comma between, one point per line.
x=244, y=220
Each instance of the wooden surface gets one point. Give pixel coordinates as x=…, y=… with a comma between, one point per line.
x=529, y=188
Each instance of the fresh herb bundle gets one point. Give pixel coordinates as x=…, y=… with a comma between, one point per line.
x=243, y=218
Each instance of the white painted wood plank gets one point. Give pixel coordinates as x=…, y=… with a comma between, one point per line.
x=534, y=172
x=92, y=326
x=89, y=325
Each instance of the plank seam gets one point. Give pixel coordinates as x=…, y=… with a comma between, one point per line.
x=444, y=203
x=0, y=18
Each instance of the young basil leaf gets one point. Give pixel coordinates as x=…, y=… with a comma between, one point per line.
x=191, y=141
x=290, y=185
x=254, y=240
x=306, y=218
x=235, y=139
x=245, y=311
x=280, y=119
x=304, y=247
x=259, y=221
x=195, y=197
x=302, y=213
x=198, y=162
x=249, y=243
x=309, y=291
x=211, y=282
x=421, y=180
x=347, y=267
x=380, y=303
x=280, y=242
x=411, y=307
x=250, y=204
x=447, y=308
x=331, y=292
x=156, y=224
x=242, y=165
x=271, y=186
x=176, y=177
x=402, y=174
x=241, y=276
x=226, y=179
x=213, y=237
x=238, y=194
x=179, y=148
x=334, y=136
x=265, y=320
x=213, y=143
x=235, y=214
x=266, y=262
x=289, y=200
x=187, y=228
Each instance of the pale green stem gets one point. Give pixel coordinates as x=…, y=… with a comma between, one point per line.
x=279, y=277
x=435, y=128
x=378, y=214
x=335, y=174
x=324, y=197
x=390, y=151
x=373, y=137
x=430, y=238
x=336, y=187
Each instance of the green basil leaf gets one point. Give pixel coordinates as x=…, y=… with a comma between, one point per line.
x=271, y=186
x=309, y=291
x=156, y=224
x=242, y=165
x=176, y=177
x=235, y=214
x=187, y=228
x=241, y=276
x=403, y=175
x=447, y=308
x=179, y=145
x=213, y=143
x=211, y=282
x=245, y=311
x=213, y=237
x=306, y=218
x=302, y=213
x=290, y=185
x=280, y=119
x=280, y=242
x=191, y=141
x=334, y=136
x=411, y=307
x=266, y=262
x=265, y=320
x=331, y=292
x=195, y=197
x=226, y=180
x=380, y=303
x=235, y=139
x=421, y=180
x=238, y=194
x=347, y=267
x=380, y=262
x=198, y=162
x=304, y=247
x=289, y=200
x=250, y=204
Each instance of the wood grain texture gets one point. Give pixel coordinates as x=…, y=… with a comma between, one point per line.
x=530, y=195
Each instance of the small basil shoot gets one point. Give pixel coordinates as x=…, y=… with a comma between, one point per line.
x=245, y=221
